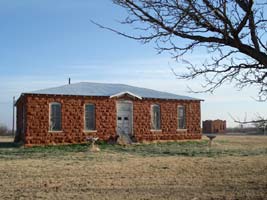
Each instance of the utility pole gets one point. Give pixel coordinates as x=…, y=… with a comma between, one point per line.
x=13, y=120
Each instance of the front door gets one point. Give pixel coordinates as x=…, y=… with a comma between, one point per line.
x=124, y=118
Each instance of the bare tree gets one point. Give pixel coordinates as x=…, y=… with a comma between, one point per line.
x=260, y=123
x=232, y=31
x=3, y=130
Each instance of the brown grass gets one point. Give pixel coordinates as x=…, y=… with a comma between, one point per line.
x=6, y=139
x=115, y=175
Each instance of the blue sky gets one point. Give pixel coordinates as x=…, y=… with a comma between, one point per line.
x=42, y=43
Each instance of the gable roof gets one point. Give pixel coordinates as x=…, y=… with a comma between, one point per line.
x=109, y=90
x=125, y=93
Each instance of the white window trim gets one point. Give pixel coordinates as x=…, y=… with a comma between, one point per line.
x=89, y=131
x=181, y=130
x=84, y=119
x=54, y=131
x=151, y=116
x=156, y=130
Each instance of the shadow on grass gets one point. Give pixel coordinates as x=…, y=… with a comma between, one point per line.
x=6, y=145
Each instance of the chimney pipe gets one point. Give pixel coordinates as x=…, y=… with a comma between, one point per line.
x=69, y=81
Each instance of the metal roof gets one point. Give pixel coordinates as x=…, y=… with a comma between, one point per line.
x=109, y=90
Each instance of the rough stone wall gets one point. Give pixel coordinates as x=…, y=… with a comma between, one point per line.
x=37, y=129
x=219, y=126
x=214, y=126
x=19, y=119
x=72, y=111
x=207, y=126
x=169, y=121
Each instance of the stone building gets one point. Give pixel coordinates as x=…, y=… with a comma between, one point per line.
x=71, y=113
x=214, y=126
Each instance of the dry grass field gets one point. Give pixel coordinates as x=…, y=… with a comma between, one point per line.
x=234, y=168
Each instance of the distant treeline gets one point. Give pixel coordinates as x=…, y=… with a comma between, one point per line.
x=246, y=130
x=4, y=131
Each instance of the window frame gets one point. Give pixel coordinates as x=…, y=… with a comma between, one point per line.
x=84, y=117
x=50, y=117
x=23, y=118
x=154, y=127
x=184, y=118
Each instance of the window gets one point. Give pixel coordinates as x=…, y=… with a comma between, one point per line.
x=155, y=117
x=89, y=117
x=23, y=118
x=55, y=117
x=181, y=117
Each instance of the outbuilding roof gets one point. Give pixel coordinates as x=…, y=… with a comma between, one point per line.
x=109, y=90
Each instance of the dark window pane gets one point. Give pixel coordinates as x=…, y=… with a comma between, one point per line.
x=55, y=117
x=155, y=117
x=90, y=117
x=181, y=117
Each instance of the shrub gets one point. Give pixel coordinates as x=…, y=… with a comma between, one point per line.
x=4, y=130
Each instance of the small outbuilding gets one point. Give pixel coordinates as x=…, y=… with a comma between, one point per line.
x=71, y=113
x=214, y=126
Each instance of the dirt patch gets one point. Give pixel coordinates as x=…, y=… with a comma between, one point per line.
x=116, y=174
x=6, y=139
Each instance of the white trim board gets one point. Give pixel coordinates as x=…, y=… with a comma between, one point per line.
x=123, y=93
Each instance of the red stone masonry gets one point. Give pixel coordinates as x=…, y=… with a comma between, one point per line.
x=214, y=126
x=36, y=123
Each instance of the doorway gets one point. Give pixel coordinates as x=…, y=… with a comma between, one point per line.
x=124, y=118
